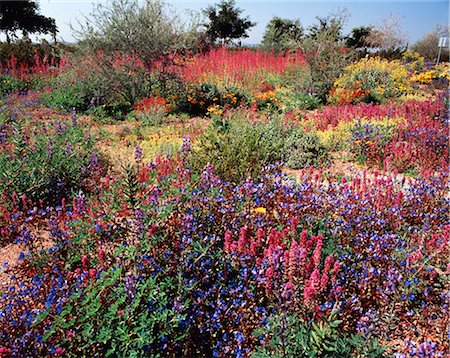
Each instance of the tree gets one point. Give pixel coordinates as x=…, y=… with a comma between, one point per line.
x=325, y=51
x=128, y=49
x=225, y=22
x=427, y=46
x=328, y=28
x=358, y=38
x=388, y=37
x=282, y=34
x=149, y=31
x=24, y=16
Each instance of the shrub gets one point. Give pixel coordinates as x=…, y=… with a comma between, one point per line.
x=290, y=336
x=66, y=98
x=370, y=80
x=240, y=149
x=108, y=80
x=291, y=99
x=205, y=98
x=47, y=167
x=10, y=84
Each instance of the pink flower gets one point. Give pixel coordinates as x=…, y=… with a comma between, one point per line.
x=84, y=262
x=59, y=351
x=227, y=241
x=317, y=254
x=101, y=256
x=5, y=351
x=92, y=273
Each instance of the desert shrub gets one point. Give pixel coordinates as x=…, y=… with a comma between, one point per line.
x=66, y=97
x=204, y=98
x=10, y=84
x=240, y=149
x=113, y=82
x=291, y=99
x=370, y=80
x=326, y=53
x=48, y=166
x=290, y=336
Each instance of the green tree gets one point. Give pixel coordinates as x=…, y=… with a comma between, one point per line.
x=282, y=34
x=132, y=47
x=225, y=22
x=325, y=51
x=358, y=38
x=24, y=16
x=150, y=31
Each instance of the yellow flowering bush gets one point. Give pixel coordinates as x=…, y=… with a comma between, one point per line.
x=413, y=61
x=371, y=80
x=424, y=77
x=440, y=71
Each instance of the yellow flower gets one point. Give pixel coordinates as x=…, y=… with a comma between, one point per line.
x=369, y=143
x=357, y=142
x=260, y=210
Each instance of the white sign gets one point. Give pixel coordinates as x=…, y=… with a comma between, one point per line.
x=442, y=42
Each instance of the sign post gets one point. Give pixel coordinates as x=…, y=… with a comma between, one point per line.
x=442, y=43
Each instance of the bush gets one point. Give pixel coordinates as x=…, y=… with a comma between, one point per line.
x=46, y=168
x=66, y=98
x=370, y=80
x=368, y=139
x=10, y=84
x=291, y=336
x=239, y=149
x=291, y=99
x=102, y=80
x=205, y=98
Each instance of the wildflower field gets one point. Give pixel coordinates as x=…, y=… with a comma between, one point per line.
x=223, y=206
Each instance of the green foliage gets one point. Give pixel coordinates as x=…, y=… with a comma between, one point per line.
x=66, y=97
x=226, y=23
x=134, y=316
x=11, y=84
x=325, y=51
x=122, y=59
x=123, y=28
x=282, y=34
x=239, y=149
x=45, y=168
x=290, y=336
x=292, y=99
x=24, y=15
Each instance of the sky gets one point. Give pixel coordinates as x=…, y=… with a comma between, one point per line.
x=416, y=17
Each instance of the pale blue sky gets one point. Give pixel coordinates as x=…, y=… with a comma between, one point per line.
x=417, y=17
